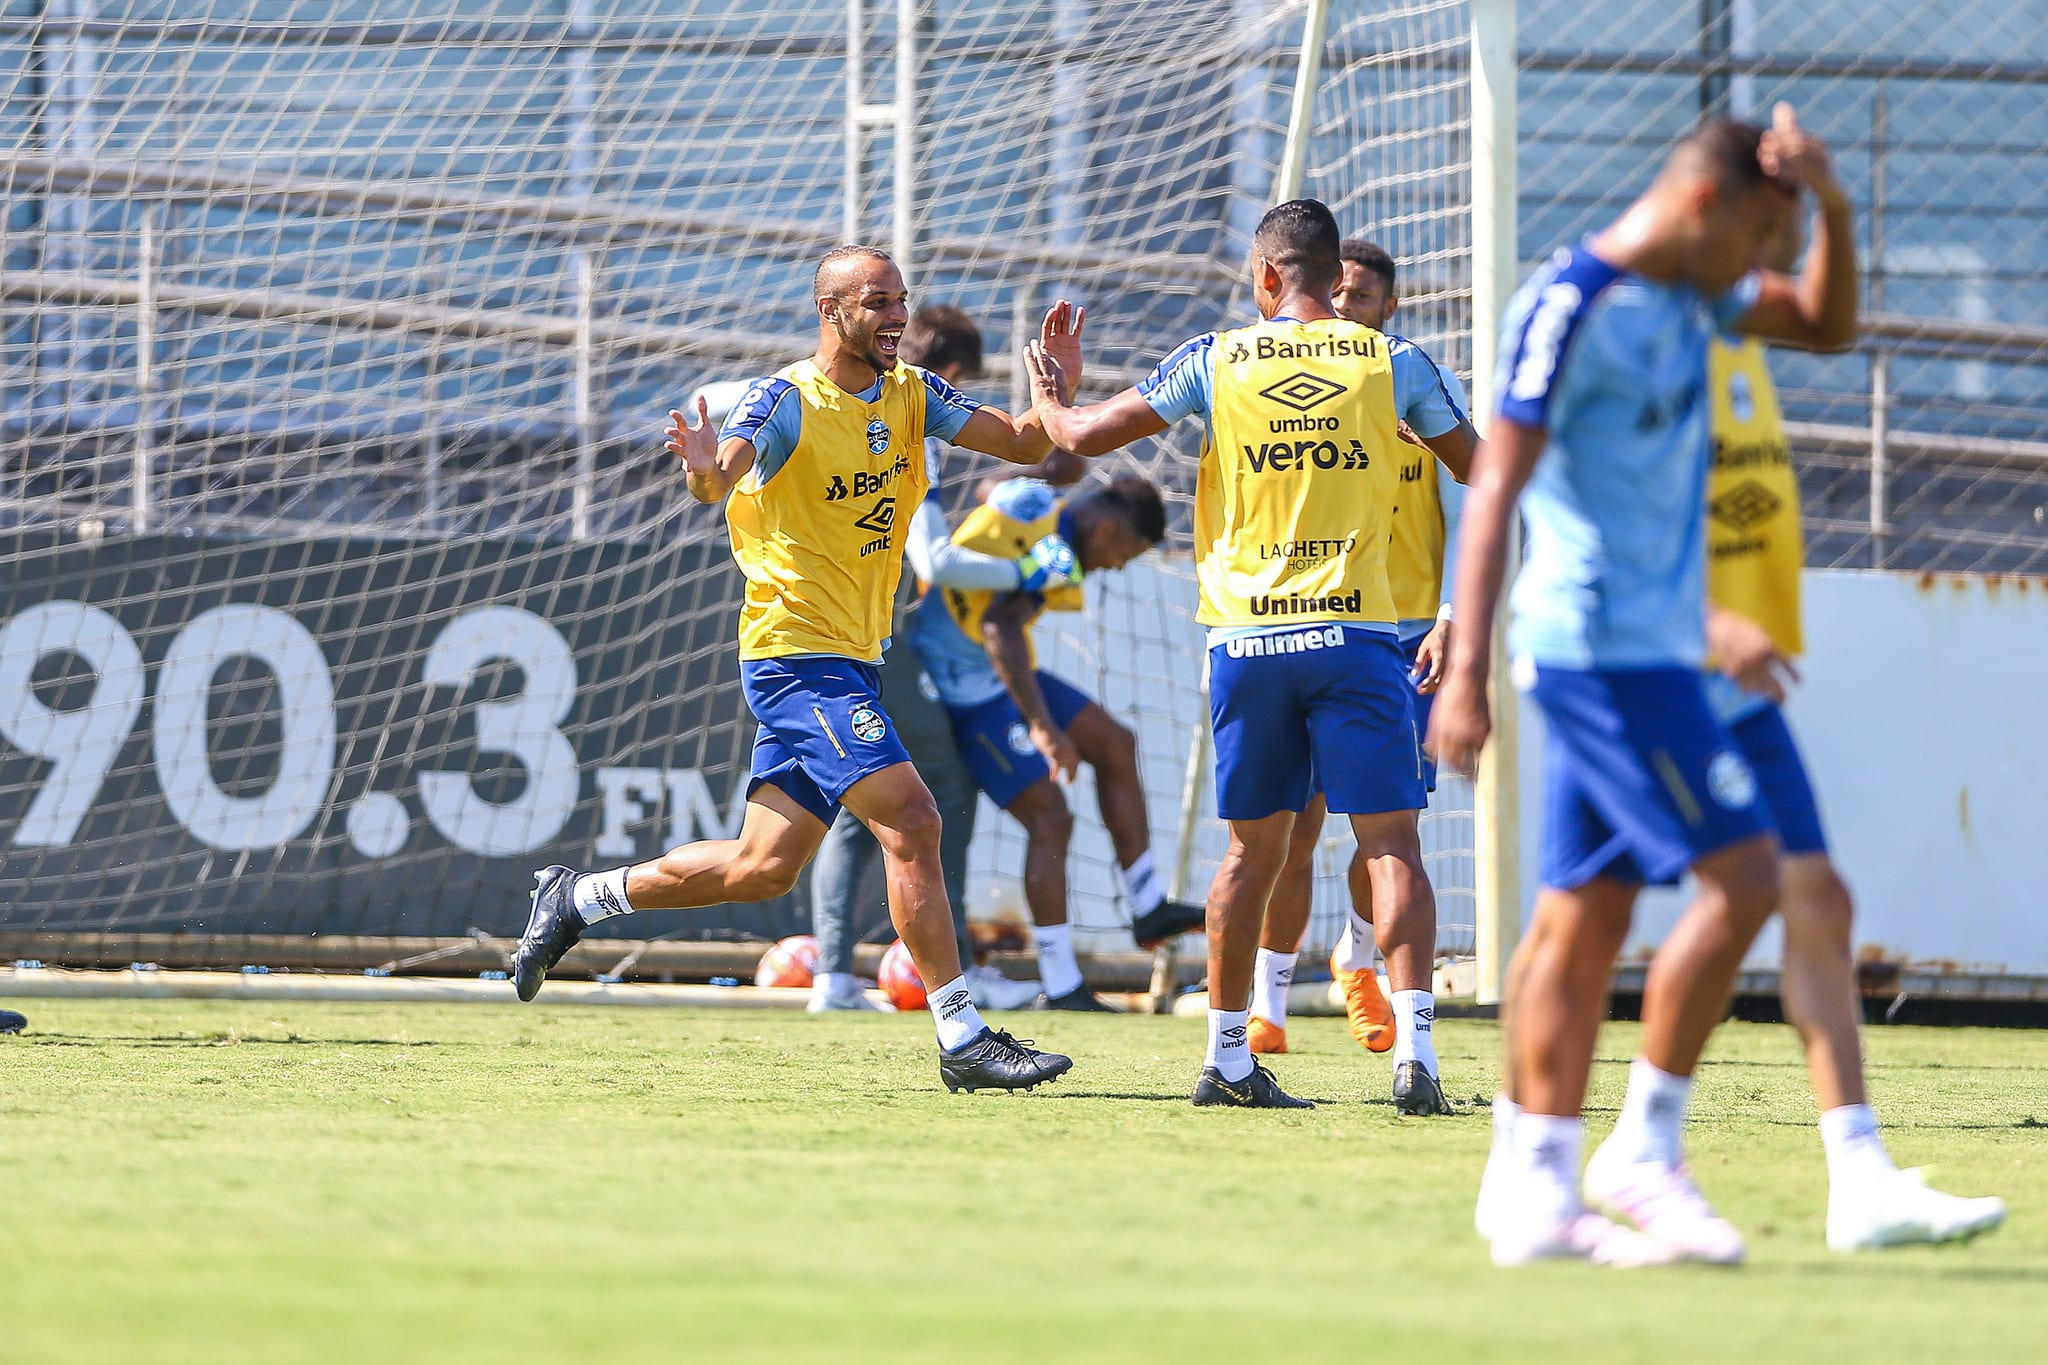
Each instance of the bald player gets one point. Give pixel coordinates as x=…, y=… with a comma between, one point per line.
x=817, y=460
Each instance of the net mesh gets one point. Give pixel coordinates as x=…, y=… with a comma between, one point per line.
x=350, y=582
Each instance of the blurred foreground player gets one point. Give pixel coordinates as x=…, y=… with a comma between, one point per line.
x=1299, y=473
x=817, y=459
x=1755, y=550
x=1425, y=523
x=1023, y=732
x=1603, y=417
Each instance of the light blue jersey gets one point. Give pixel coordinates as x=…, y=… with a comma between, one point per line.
x=769, y=417
x=1450, y=496
x=1614, y=368
x=957, y=664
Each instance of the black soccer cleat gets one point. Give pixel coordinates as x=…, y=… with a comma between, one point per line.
x=1260, y=1090
x=1080, y=999
x=10, y=1022
x=1416, y=1092
x=1164, y=921
x=551, y=930
x=993, y=1060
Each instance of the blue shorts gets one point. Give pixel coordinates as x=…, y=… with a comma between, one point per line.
x=1321, y=705
x=1766, y=742
x=996, y=746
x=1640, y=780
x=822, y=728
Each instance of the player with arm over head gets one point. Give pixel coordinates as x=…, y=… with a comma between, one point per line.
x=1299, y=471
x=1023, y=731
x=1602, y=418
x=943, y=340
x=1425, y=527
x=1755, y=551
x=816, y=460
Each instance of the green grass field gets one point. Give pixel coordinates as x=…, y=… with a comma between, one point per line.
x=281, y=1183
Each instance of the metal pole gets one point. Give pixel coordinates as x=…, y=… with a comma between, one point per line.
x=1021, y=331
x=849, y=206
x=1496, y=806
x=1301, y=129
x=1164, y=957
x=582, y=400
x=903, y=210
x=1880, y=360
x=144, y=457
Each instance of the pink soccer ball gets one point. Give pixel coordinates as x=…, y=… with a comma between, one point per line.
x=791, y=962
x=899, y=980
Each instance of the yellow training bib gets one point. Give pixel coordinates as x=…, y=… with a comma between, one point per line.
x=1415, y=555
x=817, y=539
x=991, y=531
x=1755, y=543
x=1298, y=479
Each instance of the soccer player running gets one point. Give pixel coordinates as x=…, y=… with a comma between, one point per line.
x=1602, y=417
x=817, y=459
x=1298, y=477
x=943, y=340
x=1023, y=732
x=1755, y=551
x=1425, y=520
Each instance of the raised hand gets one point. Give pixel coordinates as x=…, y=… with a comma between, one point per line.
x=1049, y=383
x=1060, y=338
x=1793, y=156
x=698, y=443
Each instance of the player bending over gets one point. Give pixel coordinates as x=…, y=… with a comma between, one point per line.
x=1603, y=417
x=1753, y=634
x=817, y=459
x=1299, y=471
x=1425, y=522
x=1018, y=726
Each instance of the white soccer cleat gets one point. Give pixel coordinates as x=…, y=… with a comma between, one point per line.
x=989, y=989
x=1900, y=1209
x=1580, y=1236
x=1661, y=1199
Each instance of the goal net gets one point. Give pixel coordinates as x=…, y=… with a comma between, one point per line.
x=346, y=580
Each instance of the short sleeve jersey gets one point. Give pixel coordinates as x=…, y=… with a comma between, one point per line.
x=815, y=523
x=1614, y=368
x=1299, y=465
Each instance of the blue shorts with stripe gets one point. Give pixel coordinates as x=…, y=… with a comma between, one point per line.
x=1640, y=780
x=1322, y=706
x=822, y=728
x=1781, y=780
x=996, y=746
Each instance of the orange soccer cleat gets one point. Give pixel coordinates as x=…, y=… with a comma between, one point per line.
x=1366, y=1007
x=1267, y=1037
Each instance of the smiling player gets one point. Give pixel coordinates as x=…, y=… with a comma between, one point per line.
x=818, y=459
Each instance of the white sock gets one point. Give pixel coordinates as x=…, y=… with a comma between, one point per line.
x=1414, y=1022
x=600, y=895
x=1141, y=885
x=1652, y=1123
x=1230, y=1052
x=1505, y=1112
x=954, y=1013
x=1546, y=1166
x=1354, y=950
x=836, y=985
x=1855, y=1149
x=1270, y=980
x=1056, y=965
